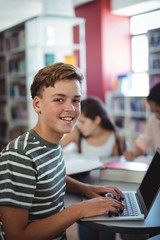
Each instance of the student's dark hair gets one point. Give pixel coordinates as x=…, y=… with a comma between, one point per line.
x=49, y=75
x=91, y=107
x=154, y=94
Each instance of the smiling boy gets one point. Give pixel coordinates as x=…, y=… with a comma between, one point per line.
x=33, y=175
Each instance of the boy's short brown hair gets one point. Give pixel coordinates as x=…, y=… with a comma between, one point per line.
x=49, y=75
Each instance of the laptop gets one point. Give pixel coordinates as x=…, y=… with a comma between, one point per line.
x=138, y=203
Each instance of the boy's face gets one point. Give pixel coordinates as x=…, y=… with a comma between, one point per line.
x=155, y=109
x=59, y=108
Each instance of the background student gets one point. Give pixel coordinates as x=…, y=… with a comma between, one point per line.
x=33, y=176
x=95, y=135
x=151, y=135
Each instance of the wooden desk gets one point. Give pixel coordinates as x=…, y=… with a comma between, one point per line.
x=151, y=225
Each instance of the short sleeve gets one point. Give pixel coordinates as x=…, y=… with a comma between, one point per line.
x=18, y=179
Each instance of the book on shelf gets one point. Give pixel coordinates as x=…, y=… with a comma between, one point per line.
x=154, y=79
x=123, y=171
x=154, y=61
x=49, y=58
x=138, y=104
x=17, y=90
x=154, y=39
x=71, y=59
x=17, y=65
x=15, y=40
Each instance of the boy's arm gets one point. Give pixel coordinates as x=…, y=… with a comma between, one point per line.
x=17, y=227
x=90, y=191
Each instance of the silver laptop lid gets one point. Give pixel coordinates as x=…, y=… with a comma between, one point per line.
x=150, y=184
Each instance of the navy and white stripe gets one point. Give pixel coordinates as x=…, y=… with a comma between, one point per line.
x=33, y=176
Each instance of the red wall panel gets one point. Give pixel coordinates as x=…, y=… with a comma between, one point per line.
x=107, y=46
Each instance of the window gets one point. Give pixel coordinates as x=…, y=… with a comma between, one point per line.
x=139, y=25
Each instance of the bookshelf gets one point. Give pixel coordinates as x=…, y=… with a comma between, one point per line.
x=128, y=113
x=154, y=56
x=24, y=49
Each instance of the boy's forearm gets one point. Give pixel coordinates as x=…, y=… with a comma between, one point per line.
x=51, y=226
x=74, y=186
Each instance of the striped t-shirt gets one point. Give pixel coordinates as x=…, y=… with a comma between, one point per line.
x=32, y=174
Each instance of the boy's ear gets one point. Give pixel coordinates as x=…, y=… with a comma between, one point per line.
x=36, y=104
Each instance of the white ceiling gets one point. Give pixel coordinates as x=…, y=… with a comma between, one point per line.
x=134, y=7
x=13, y=12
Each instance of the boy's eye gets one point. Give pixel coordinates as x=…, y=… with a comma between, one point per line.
x=58, y=100
x=76, y=101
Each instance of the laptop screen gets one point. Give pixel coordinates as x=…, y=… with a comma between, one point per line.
x=150, y=184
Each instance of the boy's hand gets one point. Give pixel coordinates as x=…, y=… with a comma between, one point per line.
x=94, y=191
x=99, y=206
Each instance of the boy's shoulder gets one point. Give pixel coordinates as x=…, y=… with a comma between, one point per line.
x=21, y=143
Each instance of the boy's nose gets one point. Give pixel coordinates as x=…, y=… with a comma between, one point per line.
x=69, y=107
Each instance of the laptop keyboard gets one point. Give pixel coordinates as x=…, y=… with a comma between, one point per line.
x=130, y=203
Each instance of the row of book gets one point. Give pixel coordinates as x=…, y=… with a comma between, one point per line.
x=50, y=58
x=2, y=65
x=16, y=131
x=2, y=87
x=154, y=79
x=14, y=40
x=3, y=126
x=9, y=133
x=137, y=104
x=19, y=112
x=1, y=43
x=17, y=65
x=17, y=90
x=154, y=40
x=154, y=61
x=135, y=124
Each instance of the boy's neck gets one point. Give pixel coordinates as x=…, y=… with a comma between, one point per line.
x=51, y=137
